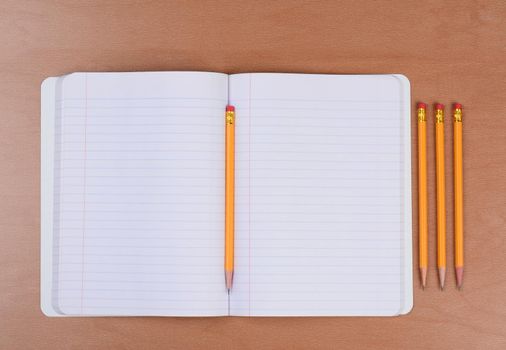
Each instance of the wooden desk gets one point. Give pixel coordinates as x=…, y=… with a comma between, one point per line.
x=450, y=50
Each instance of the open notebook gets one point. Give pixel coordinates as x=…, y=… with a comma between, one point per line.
x=133, y=194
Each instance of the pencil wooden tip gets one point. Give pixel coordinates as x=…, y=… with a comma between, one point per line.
x=423, y=275
x=442, y=275
x=229, y=276
x=459, y=273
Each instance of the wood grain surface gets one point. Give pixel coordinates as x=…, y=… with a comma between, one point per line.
x=450, y=50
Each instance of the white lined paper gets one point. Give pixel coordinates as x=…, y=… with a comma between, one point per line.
x=321, y=183
x=138, y=154
x=322, y=208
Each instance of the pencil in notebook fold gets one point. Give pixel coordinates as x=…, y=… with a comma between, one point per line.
x=229, y=195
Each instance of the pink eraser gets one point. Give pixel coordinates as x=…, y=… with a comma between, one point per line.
x=421, y=105
x=439, y=106
x=457, y=106
x=230, y=108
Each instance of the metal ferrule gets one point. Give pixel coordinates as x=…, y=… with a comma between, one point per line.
x=422, y=117
x=457, y=115
x=229, y=117
x=440, y=116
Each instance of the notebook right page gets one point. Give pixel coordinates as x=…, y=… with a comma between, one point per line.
x=323, y=195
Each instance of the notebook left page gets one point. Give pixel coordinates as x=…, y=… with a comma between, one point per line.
x=132, y=194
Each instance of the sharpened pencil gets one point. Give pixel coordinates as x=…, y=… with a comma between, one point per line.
x=458, y=193
x=423, y=253
x=440, y=189
x=229, y=195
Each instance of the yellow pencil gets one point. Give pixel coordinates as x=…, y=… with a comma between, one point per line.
x=229, y=195
x=440, y=184
x=423, y=253
x=459, y=192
